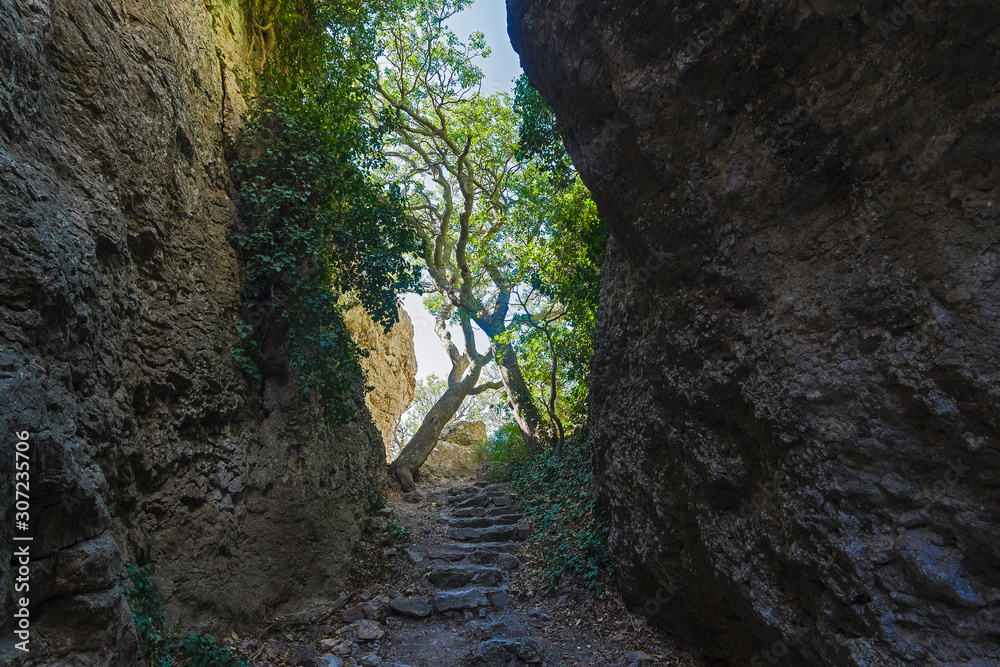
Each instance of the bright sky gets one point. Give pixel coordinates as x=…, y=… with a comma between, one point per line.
x=490, y=16
x=501, y=68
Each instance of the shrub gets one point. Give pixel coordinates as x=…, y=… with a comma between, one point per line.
x=146, y=604
x=481, y=452
x=397, y=531
x=507, y=446
x=205, y=651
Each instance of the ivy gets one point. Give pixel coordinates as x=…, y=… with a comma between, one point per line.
x=569, y=517
x=163, y=649
x=316, y=224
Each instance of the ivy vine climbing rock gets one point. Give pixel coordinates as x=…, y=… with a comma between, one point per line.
x=315, y=227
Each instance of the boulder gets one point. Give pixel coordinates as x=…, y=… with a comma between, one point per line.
x=417, y=607
x=465, y=433
x=390, y=367
x=449, y=461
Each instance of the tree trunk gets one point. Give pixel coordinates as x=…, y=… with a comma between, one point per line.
x=518, y=395
x=420, y=446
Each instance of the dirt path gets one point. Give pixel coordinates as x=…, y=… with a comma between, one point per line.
x=462, y=590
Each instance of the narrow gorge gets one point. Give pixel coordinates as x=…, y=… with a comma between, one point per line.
x=790, y=419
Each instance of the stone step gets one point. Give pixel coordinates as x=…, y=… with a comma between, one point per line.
x=495, y=533
x=470, y=512
x=458, y=576
x=518, y=531
x=484, y=522
x=448, y=554
x=497, y=511
x=469, y=598
x=463, y=551
x=459, y=490
x=503, y=561
x=481, y=500
x=498, y=547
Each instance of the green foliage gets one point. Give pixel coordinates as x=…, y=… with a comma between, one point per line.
x=397, y=530
x=539, y=138
x=560, y=258
x=555, y=246
x=147, y=610
x=162, y=649
x=205, y=651
x=377, y=496
x=317, y=224
x=481, y=452
x=506, y=446
x=557, y=494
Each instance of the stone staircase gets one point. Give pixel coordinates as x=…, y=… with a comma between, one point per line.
x=469, y=574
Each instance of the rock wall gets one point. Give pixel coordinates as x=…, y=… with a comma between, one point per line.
x=390, y=368
x=795, y=398
x=118, y=293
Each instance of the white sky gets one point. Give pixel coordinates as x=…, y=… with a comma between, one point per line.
x=501, y=68
x=490, y=16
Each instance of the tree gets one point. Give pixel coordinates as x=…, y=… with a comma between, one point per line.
x=480, y=407
x=454, y=151
x=538, y=137
x=556, y=245
x=466, y=368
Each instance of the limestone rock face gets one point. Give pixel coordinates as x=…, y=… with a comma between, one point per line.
x=795, y=403
x=450, y=461
x=465, y=433
x=118, y=292
x=391, y=367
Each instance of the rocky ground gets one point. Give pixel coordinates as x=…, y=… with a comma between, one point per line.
x=443, y=578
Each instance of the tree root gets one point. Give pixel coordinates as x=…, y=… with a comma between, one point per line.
x=405, y=478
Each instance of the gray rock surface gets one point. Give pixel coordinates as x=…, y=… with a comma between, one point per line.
x=456, y=600
x=500, y=652
x=418, y=607
x=794, y=404
x=391, y=369
x=304, y=656
x=456, y=576
x=118, y=292
x=415, y=496
x=484, y=534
